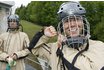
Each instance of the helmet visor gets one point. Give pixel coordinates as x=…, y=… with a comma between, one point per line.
x=74, y=29
x=73, y=26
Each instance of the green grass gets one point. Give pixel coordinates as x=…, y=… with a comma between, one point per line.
x=30, y=28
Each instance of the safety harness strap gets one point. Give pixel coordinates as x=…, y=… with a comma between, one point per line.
x=66, y=63
x=35, y=39
x=102, y=68
x=70, y=66
x=80, y=52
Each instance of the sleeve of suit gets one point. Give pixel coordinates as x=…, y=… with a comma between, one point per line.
x=3, y=55
x=39, y=46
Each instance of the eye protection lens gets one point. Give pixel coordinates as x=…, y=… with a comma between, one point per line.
x=12, y=20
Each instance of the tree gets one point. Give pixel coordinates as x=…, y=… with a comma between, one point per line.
x=45, y=13
x=95, y=12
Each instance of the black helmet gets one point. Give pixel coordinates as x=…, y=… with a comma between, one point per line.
x=70, y=9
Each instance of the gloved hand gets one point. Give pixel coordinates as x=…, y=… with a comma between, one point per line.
x=50, y=31
x=11, y=62
x=61, y=39
x=14, y=56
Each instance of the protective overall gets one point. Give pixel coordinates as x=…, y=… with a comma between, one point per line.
x=78, y=52
x=13, y=42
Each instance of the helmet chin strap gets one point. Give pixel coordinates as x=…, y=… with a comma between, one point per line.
x=12, y=29
x=75, y=42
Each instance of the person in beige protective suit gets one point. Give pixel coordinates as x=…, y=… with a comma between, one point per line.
x=13, y=45
x=73, y=49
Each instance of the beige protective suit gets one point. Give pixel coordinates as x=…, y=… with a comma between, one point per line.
x=13, y=42
x=93, y=59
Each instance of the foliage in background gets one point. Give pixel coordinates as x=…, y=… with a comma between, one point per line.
x=95, y=16
x=40, y=12
x=45, y=13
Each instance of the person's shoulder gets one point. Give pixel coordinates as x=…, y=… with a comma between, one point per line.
x=5, y=33
x=96, y=47
x=23, y=33
x=95, y=42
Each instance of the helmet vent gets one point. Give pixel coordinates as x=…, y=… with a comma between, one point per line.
x=61, y=8
x=70, y=9
x=78, y=5
x=60, y=12
x=80, y=8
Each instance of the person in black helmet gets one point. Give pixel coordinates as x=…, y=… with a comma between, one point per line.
x=13, y=46
x=73, y=49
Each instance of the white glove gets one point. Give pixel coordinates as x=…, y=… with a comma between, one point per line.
x=11, y=62
x=61, y=39
x=50, y=31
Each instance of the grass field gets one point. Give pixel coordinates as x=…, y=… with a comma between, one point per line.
x=30, y=28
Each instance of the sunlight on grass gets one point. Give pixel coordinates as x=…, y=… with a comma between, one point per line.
x=31, y=29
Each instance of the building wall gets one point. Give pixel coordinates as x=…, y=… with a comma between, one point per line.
x=3, y=19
